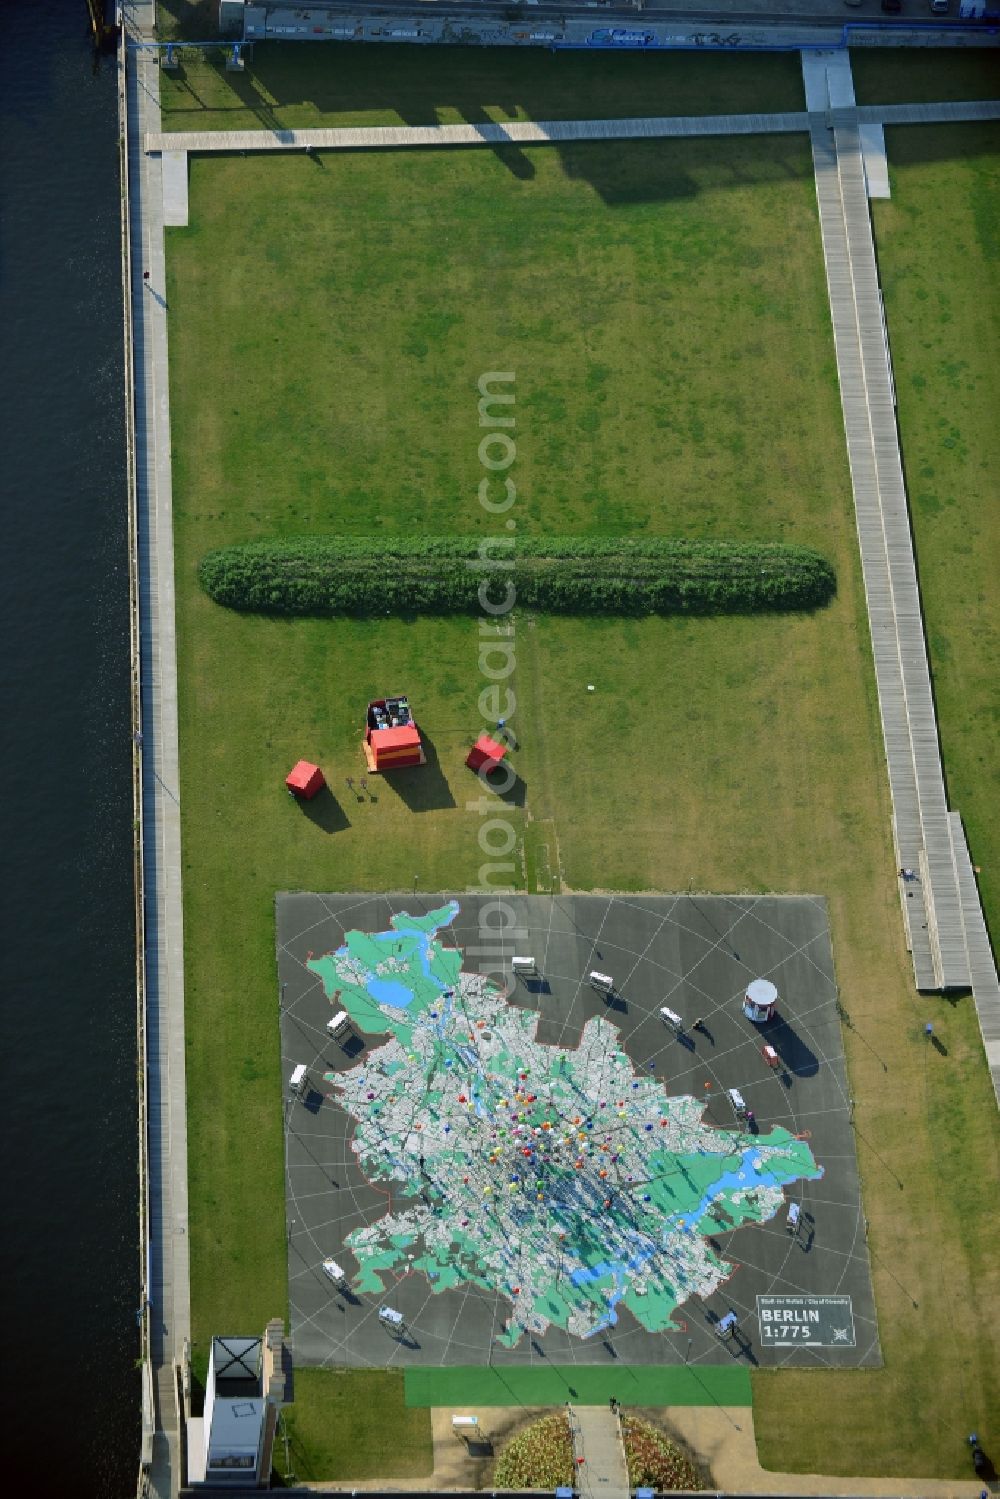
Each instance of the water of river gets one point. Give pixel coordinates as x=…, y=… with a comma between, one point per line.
x=68, y=1246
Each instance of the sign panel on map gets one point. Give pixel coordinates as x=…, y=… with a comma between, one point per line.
x=806, y=1321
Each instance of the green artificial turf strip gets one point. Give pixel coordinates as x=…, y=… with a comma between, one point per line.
x=665, y=313
x=469, y=1385
x=319, y=84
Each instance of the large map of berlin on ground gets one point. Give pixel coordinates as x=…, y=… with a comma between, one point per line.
x=553, y=1172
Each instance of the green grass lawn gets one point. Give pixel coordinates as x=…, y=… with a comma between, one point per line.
x=310, y=84
x=353, y=1425
x=664, y=311
x=924, y=75
x=939, y=246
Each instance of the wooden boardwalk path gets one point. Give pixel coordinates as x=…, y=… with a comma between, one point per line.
x=946, y=930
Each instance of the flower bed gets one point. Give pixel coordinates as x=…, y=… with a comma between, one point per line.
x=539, y=1458
x=654, y=1461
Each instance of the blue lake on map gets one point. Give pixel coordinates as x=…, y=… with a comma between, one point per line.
x=388, y=992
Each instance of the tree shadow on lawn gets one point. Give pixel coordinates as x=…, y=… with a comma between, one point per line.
x=647, y=172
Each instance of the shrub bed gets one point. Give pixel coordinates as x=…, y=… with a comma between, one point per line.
x=557, y=575
x=654, y=1461
x=539, y=1458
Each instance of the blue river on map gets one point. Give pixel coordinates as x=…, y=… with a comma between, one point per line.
x=731, y=1181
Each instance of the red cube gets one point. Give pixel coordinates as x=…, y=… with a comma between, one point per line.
x=305, y=780
x=484, y=749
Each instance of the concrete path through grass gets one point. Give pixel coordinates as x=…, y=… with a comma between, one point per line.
x=546, y=132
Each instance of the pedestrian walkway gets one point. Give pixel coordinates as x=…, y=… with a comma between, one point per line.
x=600, y=1456
x=982, y=969
x=487, y=133
x=940, y=923
x=169, y=1272
x=929, y=114
x=549, y=132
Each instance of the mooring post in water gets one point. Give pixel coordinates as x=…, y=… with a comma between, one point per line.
x=105, y=32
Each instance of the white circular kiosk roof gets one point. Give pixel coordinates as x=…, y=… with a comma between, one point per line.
x=762, y=992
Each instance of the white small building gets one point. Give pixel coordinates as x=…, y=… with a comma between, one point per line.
x=760, y=1002
x=230, y=1445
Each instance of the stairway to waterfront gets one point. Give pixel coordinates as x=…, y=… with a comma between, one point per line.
x=597, y=1446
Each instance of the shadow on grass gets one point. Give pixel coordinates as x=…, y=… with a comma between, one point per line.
x=422, y=787
x=325, y=812
x=346, y=84
x=517, y=793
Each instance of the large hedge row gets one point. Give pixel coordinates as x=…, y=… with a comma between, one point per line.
x=558, y=575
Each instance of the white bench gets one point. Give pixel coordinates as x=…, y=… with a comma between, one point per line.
x=736, y=1099
x=335, y=1272
x=339, y=1025
x=671, y=1019
x=299, y=1080
x=389, y=1317
x=792, y=1221
x=463, y=1424
x=523, y=967
x=603, y=982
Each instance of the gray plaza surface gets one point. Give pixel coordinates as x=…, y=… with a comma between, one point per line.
x=694, y=953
